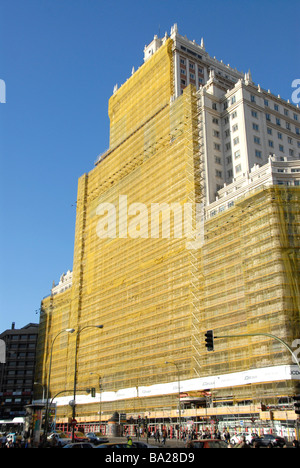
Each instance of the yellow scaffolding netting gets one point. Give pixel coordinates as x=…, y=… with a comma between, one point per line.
x=154, y=296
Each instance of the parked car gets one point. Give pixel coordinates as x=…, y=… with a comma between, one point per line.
x=113, y=445
x=209, y=443
x=78, y=436
x=79, y=445
x=137, y=444
x=96, y=438
x=60, y=437
x=269, y=439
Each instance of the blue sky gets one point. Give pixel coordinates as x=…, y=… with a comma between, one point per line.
x=60, y=60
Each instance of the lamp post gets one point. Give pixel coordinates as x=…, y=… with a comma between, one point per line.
x=75, y=374
x=100, y=390
x=43, y=387
x=67, y=330
x=179, y=403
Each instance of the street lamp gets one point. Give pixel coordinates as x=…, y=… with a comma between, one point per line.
x=75, y=373
x=179, y=403
x=43, y=387
x=66, y=330
x=100, y=389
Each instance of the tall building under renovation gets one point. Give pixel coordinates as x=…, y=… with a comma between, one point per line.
x=189, y=222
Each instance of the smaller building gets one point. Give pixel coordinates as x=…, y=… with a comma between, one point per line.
x=17, y=371
x=65, y=282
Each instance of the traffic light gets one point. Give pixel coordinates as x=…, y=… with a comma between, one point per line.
x=297, y=404
x=209, y=340
x=93, y=392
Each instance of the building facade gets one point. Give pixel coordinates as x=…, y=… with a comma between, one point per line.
x=157, y=268
x=17, y=372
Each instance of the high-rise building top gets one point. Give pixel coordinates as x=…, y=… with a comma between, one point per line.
x=240, y=124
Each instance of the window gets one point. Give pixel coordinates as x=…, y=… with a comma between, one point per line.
x=233, y=99
x=266, y=102
x=281, y=148
x=271, y=144
x=255, y=127
x=234, y=115
x=279, y=135
x=269, y=130
x=217, y=147
x=238, y=168
x=214, y=106
x=276, y=107
x=218, y=173
x=257, y=140
x=215, y=121
x=235, y=127
x=258, y=153
x=237, y=154
x=268, y=117
x=254, y=113
x=236, y=141
x=252, y=98
x=278, y=121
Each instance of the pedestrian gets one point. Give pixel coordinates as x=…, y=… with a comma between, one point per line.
x=227, y=437
x=129, y=442
x=164, y=436
x=295, y=443
x=3, y=441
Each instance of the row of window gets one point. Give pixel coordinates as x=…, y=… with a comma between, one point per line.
x=254, y=114
x=278, y=122
x=276, y=107
x=256, y=138
x=22, y=337
x=192, y=66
